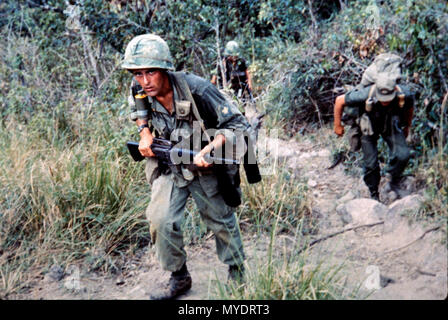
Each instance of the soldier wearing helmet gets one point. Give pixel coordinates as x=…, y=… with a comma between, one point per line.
x=236, y=73
x=175, y=102
x=383, y=107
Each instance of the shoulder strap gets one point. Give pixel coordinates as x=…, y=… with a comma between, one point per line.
x=371, y=91
x=400, y=95
x=184, y=89
x=369, y=101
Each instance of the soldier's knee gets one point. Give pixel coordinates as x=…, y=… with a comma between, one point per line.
x=164, y=229
x=403, y=155
x=370, y=164
x=160, y=224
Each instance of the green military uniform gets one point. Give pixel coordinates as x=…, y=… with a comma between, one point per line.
x=235, y=73
x=385, y=121
x=171, y=188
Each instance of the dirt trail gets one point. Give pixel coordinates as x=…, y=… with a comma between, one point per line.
x=391, y=260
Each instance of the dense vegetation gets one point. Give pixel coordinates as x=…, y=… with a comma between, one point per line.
x=67, y=188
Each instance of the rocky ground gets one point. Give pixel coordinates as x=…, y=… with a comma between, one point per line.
x=398, y=257
x=386, y=253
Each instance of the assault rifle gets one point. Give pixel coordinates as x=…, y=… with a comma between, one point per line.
x=165, y=152
x=227, y=184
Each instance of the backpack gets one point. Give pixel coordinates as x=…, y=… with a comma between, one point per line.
x=385, y=62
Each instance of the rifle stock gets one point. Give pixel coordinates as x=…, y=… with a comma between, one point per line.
x=134, y=152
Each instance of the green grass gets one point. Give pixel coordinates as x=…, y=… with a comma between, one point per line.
x=286, y=279
x=434, y=175
x=285, y=273
x=277, y=196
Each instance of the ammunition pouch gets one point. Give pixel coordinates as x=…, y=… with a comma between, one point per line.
x=183, y=110
x=366, y=125
x=228, y=185
x=152, y=170
x=354, y=137
x=370, y=100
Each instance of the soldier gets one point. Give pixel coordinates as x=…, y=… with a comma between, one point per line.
x=175, y=100
x=236, y=73
x=384, y=108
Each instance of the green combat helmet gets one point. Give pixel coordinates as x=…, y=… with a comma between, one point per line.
x=147, y=51
x=232, y=49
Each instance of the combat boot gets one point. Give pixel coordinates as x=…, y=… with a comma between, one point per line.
x=395, y=186
x=179, y=283
x=236, y=273
x=375, y=195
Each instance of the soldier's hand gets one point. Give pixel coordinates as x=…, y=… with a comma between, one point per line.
x=144, y=146
x=339, y=130
x=407, y=135
x=199, y=160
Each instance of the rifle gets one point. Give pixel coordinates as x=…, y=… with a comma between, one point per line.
x=252, y=100
x=165, y=152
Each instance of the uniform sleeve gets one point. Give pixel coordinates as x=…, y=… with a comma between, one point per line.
x=357, y=96
x=243, y=64
x=230, y=121
x=227, y=114
x=217, y=111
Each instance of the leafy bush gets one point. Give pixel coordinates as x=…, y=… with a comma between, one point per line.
x=309, y=75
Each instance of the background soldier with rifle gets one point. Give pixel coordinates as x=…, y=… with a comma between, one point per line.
x=236, y=73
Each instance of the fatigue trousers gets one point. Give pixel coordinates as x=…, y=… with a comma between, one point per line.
x=166, y=214
x=399, y=153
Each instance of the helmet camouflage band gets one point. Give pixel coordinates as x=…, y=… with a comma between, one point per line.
x=232, y=49
x=147, y=51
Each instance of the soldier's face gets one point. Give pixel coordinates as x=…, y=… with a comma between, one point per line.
x=153, y=81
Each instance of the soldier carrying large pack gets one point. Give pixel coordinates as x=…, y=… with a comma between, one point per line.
x=382, y=107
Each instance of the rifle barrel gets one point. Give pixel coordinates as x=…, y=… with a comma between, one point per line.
x=179, y=152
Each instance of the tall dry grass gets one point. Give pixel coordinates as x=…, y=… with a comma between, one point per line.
x=60, y=200
x=434, y=174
